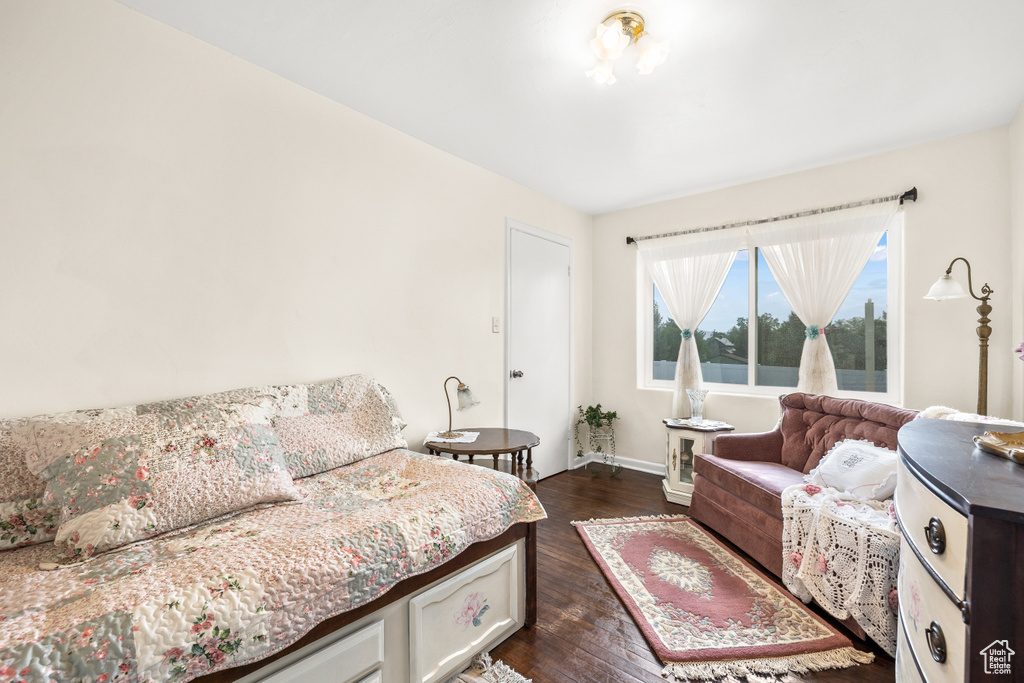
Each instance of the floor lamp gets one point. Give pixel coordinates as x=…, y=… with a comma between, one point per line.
x=948, y=288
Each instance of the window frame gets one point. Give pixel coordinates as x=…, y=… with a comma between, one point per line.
x=894, y=332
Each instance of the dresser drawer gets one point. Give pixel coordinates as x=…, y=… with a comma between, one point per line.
x=906, y=668
x=925, y=607
x=355, y=658
x=944, y=544
x=453, y=621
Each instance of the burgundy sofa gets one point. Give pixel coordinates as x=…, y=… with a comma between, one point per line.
x=738, y=490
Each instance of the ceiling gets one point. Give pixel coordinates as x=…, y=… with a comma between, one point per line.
x=751, y=89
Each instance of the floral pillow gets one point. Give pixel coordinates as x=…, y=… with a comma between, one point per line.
x=24, y=518
x=329, y=424
x=133, y=476
x=322, y=425
x=858, y=467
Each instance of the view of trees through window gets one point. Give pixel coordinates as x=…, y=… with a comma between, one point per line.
x=723, y=339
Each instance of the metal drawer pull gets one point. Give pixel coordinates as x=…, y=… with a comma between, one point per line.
x=935, y=534
x=936, y=642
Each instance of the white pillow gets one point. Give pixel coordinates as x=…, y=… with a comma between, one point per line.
x=859, y=468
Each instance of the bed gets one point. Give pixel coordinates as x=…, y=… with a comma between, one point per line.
x=396, y=566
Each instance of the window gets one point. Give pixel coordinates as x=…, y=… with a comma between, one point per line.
x=864, y=353
x=722, y=337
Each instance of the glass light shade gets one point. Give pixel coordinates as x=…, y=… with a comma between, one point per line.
x=946, y=288
x=466, y=398
x=602, y=73
x=652, y=53
x=609, y=41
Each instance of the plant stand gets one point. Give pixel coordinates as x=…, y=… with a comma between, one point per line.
x=601, y=442
x=607, y=451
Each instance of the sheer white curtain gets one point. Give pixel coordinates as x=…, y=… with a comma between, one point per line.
x=815, y=260
x=689, y=271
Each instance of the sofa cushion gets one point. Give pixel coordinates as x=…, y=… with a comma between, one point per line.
x=812, y=425
x=760, y=483
x=753, y=530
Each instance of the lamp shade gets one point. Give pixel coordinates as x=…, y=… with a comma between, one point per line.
x=602, y=73
x=466, y=398
x=946, y=288
x=652, y=53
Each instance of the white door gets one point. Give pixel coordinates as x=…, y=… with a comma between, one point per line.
x=538, y=343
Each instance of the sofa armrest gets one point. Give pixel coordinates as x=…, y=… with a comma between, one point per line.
x=765, y=447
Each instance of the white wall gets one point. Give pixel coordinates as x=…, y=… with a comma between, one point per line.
x=1017, y=253
x=963, y=211
x=174, y=220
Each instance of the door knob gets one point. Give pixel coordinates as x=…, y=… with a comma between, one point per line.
x=517, y=373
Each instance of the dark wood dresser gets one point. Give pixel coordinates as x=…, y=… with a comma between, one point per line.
x=961, y=583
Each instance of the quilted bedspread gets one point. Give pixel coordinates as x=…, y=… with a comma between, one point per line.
x=242, y=587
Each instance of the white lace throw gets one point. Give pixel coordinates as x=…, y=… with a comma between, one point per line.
x=816, y=260
x=845, y=554
x=689, y=271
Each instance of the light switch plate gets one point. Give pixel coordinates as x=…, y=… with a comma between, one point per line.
x=495, y=325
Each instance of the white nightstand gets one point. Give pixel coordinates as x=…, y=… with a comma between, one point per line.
x=684, y=438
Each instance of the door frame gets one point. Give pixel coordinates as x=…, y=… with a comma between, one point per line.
x=510, y=225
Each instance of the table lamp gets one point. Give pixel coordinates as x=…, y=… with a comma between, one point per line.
x=466, y=400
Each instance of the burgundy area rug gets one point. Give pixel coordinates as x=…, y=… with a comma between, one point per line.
x=707, y=614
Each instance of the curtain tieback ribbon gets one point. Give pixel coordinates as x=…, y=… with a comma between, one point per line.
x=813, y=331
x=687, y=333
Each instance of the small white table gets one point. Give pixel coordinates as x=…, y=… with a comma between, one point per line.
x=683, y=438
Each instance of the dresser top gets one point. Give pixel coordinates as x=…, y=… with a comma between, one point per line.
x=943, y=456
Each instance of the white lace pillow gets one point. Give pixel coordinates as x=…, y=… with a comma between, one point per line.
x=859, y=468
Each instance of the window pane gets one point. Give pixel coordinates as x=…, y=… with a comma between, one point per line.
x=859, y=350
x=721, y=338
x=780, y=334
x=666, y=340
x=855, y=348
x=722, y=335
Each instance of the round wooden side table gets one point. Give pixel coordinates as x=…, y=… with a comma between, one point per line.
x=495, y=441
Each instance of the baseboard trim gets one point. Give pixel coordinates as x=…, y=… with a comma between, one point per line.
x=647, y=466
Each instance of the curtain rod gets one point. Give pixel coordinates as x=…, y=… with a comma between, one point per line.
x=909, y=196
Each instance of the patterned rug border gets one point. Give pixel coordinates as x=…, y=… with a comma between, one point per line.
x=835, y=652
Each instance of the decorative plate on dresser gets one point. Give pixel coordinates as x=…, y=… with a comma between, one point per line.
x=961, y=581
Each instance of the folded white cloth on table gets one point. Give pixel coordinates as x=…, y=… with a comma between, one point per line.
x=467, y=437
x=703, y=424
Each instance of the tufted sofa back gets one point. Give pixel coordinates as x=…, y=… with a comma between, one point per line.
x=812, y=425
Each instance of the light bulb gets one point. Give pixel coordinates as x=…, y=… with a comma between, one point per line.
x=611, y=35
x=609, y=41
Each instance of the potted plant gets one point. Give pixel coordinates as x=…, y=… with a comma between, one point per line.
x=599, y=428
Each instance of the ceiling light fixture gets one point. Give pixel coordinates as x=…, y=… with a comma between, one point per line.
x=614, y=35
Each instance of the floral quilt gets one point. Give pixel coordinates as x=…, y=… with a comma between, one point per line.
x=241, y=587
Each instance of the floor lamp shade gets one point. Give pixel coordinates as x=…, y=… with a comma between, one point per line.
x=946, y=287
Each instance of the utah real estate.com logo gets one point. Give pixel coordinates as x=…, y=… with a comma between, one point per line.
x=997, y=657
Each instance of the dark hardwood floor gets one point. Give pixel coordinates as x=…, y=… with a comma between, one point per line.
x=583, y=632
